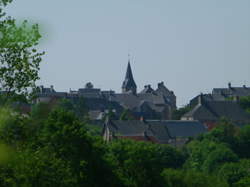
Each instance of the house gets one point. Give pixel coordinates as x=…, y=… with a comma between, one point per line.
x=222, y=94
x=175, y=133
x=210, y=112
x=231, y=91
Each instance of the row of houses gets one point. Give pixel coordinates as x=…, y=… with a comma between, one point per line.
x=206, y=111
x=152, y=110
x=149, y=103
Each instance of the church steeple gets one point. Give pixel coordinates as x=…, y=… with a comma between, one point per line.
x=128, y=85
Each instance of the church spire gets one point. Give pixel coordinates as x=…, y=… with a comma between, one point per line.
x=129, y=85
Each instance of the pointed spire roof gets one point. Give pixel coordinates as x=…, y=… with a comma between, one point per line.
x=129, y=83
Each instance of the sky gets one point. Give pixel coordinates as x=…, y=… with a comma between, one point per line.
x=191, y=45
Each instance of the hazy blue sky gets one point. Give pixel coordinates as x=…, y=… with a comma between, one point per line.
x=191, y=45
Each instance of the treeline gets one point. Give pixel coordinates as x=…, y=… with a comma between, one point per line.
x=53, y=147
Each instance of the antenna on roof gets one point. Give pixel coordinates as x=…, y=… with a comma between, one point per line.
x=133, y=59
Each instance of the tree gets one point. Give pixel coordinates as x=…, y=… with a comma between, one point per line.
x=234, y=172
x=140, y=163
x=19, y=59
x=182, y=178
x=127, y=115
x=66, y=136
x=13, y=127
x=178, y=113
x=242, y=148
x=225, y=132
x=218, y=157
x=245, y=103
x=207, y=156
x=245, y=182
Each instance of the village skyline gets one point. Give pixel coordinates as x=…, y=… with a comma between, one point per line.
x=192, y=46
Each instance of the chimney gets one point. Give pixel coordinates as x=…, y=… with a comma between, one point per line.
x=244, y=86
x=229, y=85
x=51, y=88
x=160, y=84
x=41, y=88
x=200, y=99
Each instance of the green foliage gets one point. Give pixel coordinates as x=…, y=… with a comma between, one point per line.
x=207, y=155
x=127, y=115
x=242, y=148
x=19, y=59
x=56, y=149
x=225, y=132
x=245, y=182
x=77, y=106
x=218, y=157
x=140, y=163
x=38, y=168
x=178, y=113
x=13, y=127
x=181, y=178
x=67, y=137
x=245, y=103
x=234, y=172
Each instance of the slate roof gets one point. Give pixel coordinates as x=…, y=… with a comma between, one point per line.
x=201, y=112
x=128, y=128
x=207, y=97
x=100, y=104
x=162, y=131
x=214, y=110
x=232, y=91
x=163, y=90
x=177, y=128
x=132, y=101
x=228, y=109
x=147, y=89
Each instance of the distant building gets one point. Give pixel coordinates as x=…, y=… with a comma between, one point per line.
x=231, y=91
x=175, y=133
x=222, y=94
x=209, y=112
x=149, y=103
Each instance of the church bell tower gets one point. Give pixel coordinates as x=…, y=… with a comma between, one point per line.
x=128, y=85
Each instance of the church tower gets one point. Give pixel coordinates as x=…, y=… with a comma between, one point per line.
x=128, y=85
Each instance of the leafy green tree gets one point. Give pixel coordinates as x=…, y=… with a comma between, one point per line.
x=68, y=138
x=78, y=106
x=13, y=128
x=207, y=155
x=242, y=148
x=19, y=59
x=181, y=178
x=127, y=115
x=40, y=168
x=178, y=113
x=234, y=172
x=218, y=157
x=245, y=182
x=197, y=153
x=140, y=163
x=245, y=103
x=225, y=132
